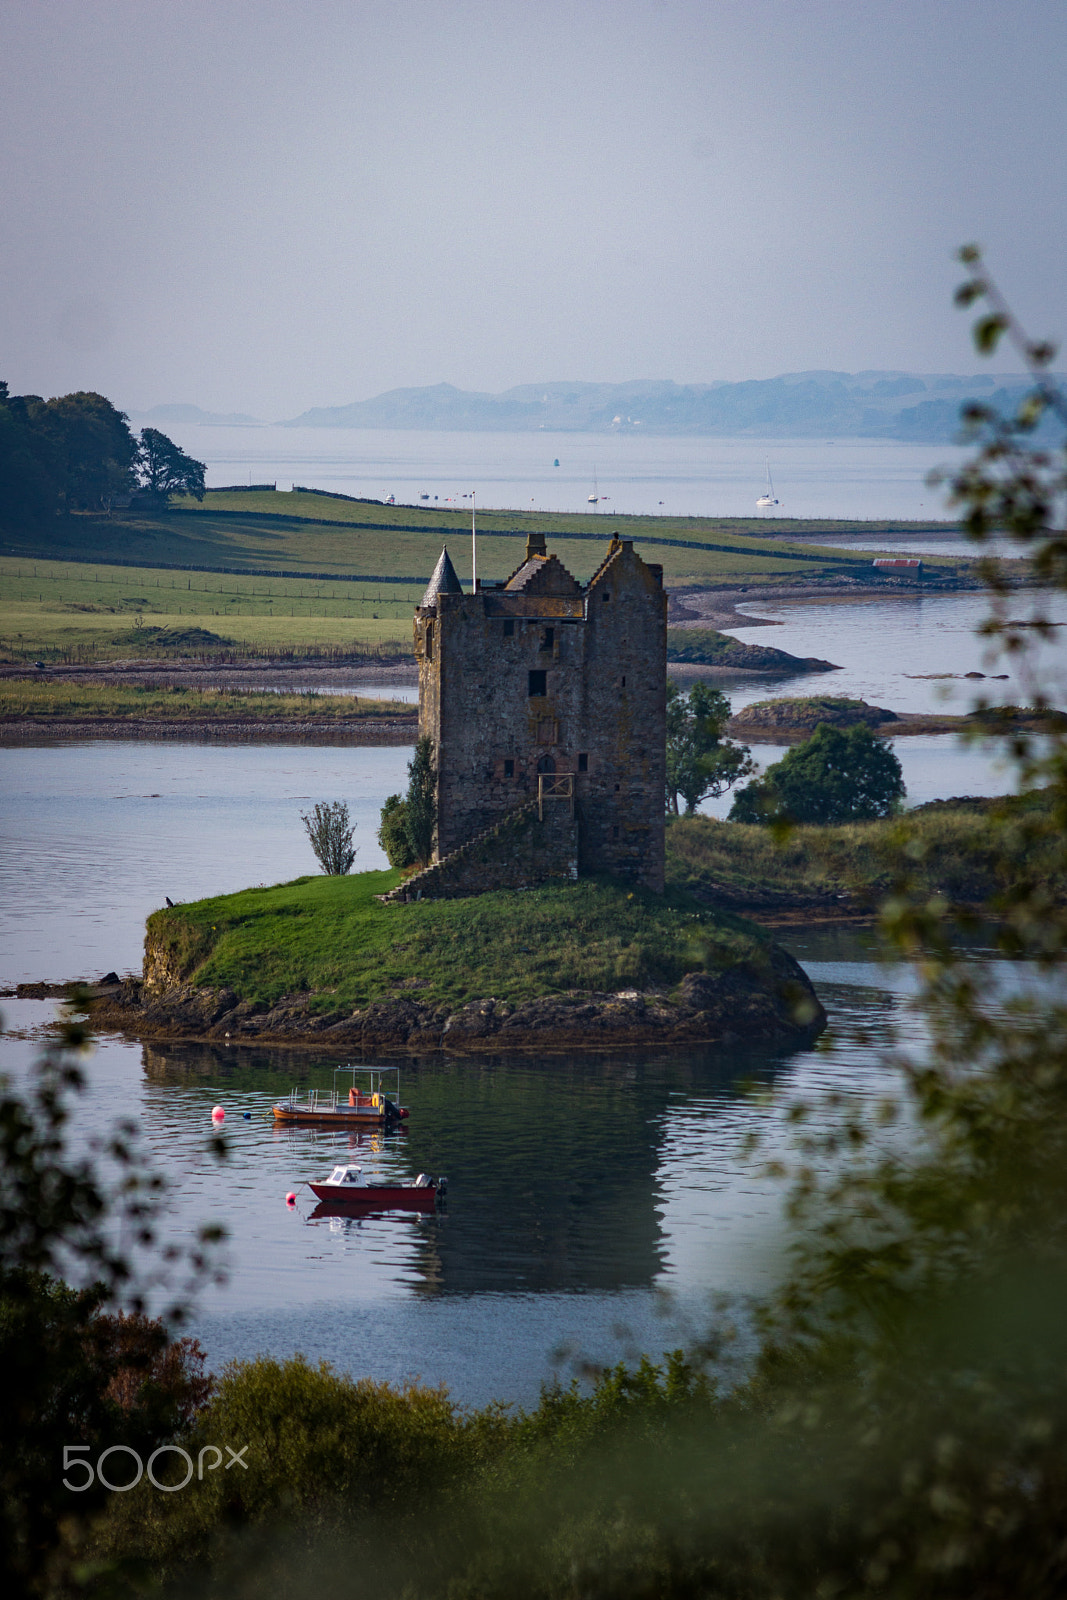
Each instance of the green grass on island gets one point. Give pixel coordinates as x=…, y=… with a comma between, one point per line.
x=708, y=647
x=78, y=702
x=959, y=849
x=331, y=937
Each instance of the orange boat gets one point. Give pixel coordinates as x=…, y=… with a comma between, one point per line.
x=366, y=1104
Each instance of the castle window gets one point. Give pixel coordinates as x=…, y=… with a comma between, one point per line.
x=583, y=762
x=616, y=788
x=538, y=682
x=615, y=833
x=607, y=595
x=624, y=680
x=548, y=638
x=509, y=628
x=509, y=769
x=429, y=641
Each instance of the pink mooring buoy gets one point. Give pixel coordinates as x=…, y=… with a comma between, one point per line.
x=218, y=1114
x=290, y=1198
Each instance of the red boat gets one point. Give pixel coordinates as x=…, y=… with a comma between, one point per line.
x=347, y=1190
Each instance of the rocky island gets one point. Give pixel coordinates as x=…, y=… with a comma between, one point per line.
x=540, y=917
x=326, y=963
x=788, y=721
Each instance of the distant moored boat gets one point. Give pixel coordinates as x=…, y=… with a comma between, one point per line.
x=767, y=500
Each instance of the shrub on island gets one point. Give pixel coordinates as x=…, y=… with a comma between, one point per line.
x=838, y=775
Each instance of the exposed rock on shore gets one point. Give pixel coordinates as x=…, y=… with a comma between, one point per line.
x=806, y=715
x=770, y=1001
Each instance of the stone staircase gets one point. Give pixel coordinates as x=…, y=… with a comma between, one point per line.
x=531, y=844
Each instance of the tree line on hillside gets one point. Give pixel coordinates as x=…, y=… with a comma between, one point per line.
x=77, y=452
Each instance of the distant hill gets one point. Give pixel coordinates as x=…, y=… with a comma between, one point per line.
x=829, y=405
x=206, y=419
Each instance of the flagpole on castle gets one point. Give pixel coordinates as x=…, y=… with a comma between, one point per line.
x=474, y=545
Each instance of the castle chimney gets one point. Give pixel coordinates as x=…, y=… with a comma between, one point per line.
x=535, y=545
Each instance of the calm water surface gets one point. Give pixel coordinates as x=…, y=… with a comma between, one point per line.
x=894, y=651
x=596, y=1204
x=94, y=836
x=854, y=479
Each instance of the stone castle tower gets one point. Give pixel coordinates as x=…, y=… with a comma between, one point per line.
x=545, y=702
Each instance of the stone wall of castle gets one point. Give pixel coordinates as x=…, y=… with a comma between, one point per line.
x=542, y=677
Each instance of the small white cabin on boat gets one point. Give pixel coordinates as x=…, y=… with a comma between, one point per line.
x=350, y=1177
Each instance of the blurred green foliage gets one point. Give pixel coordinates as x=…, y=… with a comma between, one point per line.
x=81, y=1366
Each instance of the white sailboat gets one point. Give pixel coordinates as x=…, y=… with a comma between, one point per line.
x=767, y=499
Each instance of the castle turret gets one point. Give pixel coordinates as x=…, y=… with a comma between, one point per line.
x=444, y=580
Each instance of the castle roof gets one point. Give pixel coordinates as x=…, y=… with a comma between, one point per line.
x=444, y=580
x=543, y=575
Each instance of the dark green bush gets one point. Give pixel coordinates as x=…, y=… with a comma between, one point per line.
x=393, y=833
x=838, y=775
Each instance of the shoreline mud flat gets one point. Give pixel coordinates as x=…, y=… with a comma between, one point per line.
x=400, y=731
x=903, y=724
x=718, y=607
x=56, y=730
x=690, y=609
x=256, y=672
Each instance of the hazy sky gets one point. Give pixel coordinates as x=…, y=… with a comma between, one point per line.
x=264, y=205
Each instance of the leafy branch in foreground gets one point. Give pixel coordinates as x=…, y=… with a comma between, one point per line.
x=58, y=1210
x=902, y=1433
x=82, y=1365
x=1010, y=486
x=928, y=1310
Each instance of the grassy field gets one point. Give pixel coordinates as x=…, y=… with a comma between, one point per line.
x=83, y=611
x=81, y=585
x=332, y=937
x=95, y=702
